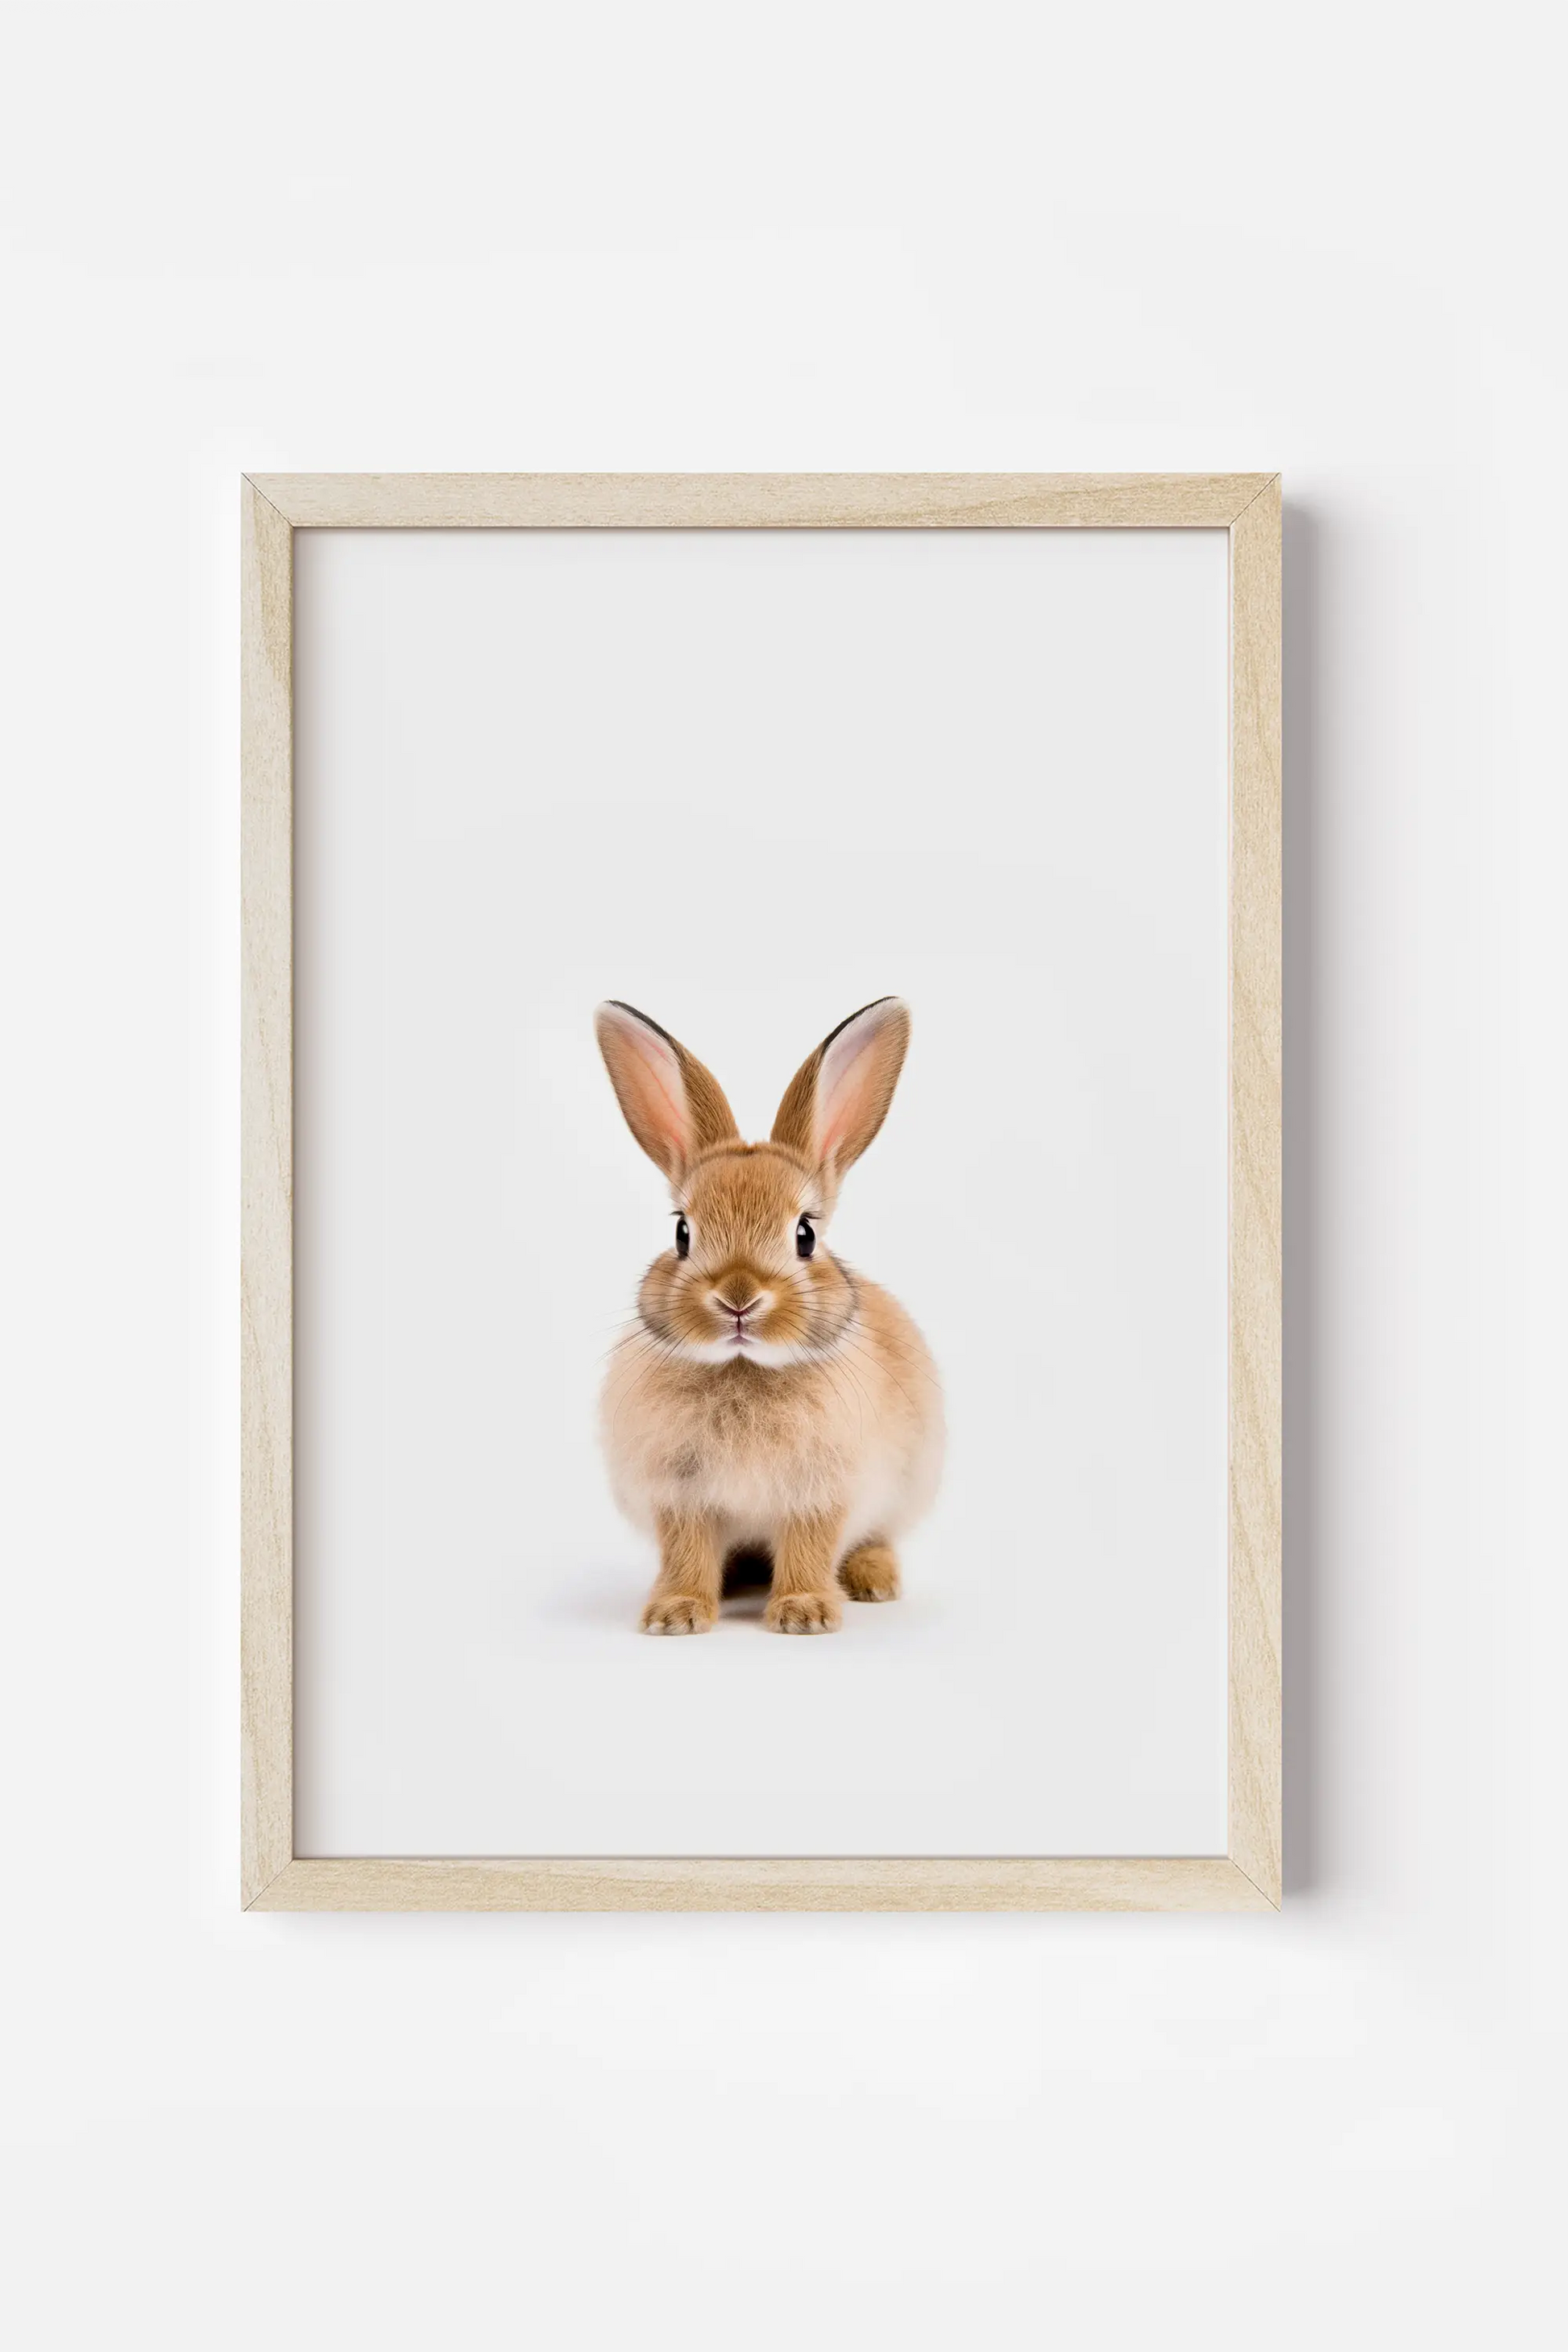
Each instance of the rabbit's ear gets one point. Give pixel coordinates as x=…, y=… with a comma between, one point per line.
x=839, y=1095
x=673, y=1105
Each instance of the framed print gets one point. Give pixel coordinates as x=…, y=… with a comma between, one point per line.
x=760, y=1227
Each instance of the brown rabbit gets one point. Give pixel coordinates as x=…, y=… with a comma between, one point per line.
x=769, y=1400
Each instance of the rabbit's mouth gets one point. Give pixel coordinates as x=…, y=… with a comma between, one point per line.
x=743, y=1340
x=769, y=1342
x=740, y=1335
x=741, y=1306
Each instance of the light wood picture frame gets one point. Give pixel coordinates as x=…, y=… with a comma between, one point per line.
x=1247, y=1876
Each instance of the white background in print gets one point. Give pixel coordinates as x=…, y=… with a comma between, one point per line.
x=748, y=781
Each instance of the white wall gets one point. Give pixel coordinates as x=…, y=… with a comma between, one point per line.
x=837, y=236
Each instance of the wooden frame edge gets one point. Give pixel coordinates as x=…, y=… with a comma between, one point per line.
x=759, y=501
x=1256, y=1411
x=1248, y=506
x=414, y=1883
x=267, y=1078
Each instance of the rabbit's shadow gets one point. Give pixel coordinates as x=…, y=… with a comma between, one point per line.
x=613, y=1599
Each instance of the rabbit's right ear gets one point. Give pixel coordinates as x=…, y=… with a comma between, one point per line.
x=674, y=1106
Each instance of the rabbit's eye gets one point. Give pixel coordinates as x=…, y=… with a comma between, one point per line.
x=682, y=1238
x=804, y=1238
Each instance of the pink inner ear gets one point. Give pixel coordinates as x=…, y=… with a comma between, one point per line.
x=666, y=1094
x=849, y=1086
x=653, y=1091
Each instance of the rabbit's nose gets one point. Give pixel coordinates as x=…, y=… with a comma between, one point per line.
x=737, y=1306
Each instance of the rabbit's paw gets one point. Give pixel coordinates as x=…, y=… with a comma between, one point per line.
x=803, y=1612
x=679, y=1612
x=870, y=1573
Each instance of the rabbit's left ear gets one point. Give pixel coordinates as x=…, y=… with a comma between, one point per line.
x=839, y=1095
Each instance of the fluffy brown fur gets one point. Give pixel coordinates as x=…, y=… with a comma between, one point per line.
x=765, y=1403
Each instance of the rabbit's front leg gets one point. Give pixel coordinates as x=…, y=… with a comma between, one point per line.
x=805, y=1597
x=685, y=1598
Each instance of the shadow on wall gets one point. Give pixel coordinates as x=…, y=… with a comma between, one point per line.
x=1303, y=1209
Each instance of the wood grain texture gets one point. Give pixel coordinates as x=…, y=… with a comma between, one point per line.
x=1249, y=1879
x=267, y=1375
x=1189, y=1884
x=1255, y=1226
x=760, y=501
